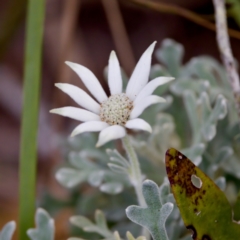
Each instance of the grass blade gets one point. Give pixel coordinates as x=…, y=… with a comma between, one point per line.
x=29, y=126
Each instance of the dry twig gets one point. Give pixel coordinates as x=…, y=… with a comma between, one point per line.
x=67, y=34
x=119, y=34
x=173, y=9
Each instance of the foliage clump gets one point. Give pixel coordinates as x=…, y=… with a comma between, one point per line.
x=198, y=119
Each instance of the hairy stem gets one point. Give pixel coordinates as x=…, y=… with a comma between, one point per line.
x=136, y=175
x=225, y=49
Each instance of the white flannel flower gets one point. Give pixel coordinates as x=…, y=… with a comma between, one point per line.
x=112, y=115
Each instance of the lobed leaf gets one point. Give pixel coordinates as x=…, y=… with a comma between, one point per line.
x=88, y=226
x=116, y=157
x=118, y=169
x=44, y=226
x=154, y=216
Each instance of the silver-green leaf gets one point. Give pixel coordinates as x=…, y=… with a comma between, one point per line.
x=154, y=216
x=88, y=226
x=44, y=226
x=70, y=177
x=7, y=231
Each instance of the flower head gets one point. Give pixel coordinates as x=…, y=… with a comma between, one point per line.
x=112, y=115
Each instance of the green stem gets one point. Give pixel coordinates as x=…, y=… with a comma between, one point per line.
x=29, y=126
x=136, y=175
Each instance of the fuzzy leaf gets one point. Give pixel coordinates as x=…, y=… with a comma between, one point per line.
x=220, y=109
x=111, y=187
x=96, y=177
x=203, y=119
x=80, y=161
x=82, y=141
x=69, y=177
x=223, y=155
x=118, y=169
x=164, y=191
x=190, y=102
x=210, y=117
x=221, y=183
x=232, y=166
x=116, y=157
x=100, y=227
x=101, y=220
x=171, y=54
x=198, y=86
x=154, y=216
x=130, y=237
x=205, y=210
x=205, y=106
x=158, y=70
x=7, y=231
x=44, y=227
x=204, y=68
x=93, y=154
x=116, y=236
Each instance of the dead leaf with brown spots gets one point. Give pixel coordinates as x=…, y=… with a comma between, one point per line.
x=203, y=206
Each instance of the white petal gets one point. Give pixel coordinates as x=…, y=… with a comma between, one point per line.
x=144, y=103
x=140, y=74
x=114, y=75
x=110, y=133
x=91, y=126
x=89, y=80
x=76, y=113
x=151, y=86
x=79, y=96
x=139, y=124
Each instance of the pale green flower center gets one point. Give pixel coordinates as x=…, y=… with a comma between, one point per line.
x=116, y=110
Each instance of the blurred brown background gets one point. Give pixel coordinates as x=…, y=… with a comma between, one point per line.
x=83, y=31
